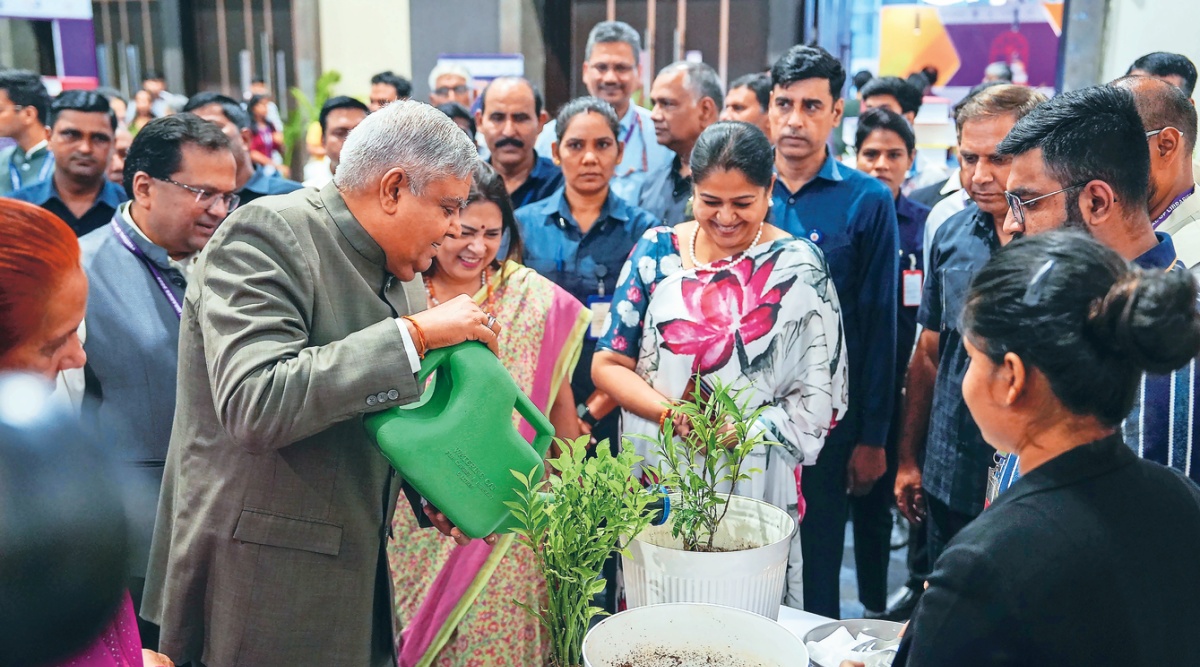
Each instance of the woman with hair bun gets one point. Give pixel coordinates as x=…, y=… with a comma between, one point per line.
x=1090, y=557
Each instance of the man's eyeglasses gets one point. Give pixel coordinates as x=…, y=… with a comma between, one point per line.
x=446, y=90
x=205, y=198
x=1018, y=207
x=1151, y=133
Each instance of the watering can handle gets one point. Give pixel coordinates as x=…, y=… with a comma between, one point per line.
x=538, y=420
x=434, y=359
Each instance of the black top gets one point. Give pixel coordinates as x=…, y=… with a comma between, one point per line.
x=1090, y=559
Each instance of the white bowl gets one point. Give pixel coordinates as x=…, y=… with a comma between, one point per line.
x=654, y=635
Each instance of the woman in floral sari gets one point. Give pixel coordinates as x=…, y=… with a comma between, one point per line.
x=730, y=297
x=455, y=603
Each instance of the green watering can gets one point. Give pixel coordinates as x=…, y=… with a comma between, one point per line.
x=458, y=446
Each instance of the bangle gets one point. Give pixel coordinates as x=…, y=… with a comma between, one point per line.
x=422, y=344
x=662, y=419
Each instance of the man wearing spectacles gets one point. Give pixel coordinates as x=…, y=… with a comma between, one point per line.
x=24, y=104
x=612, y=72
x=450, y=82
x=1062, y=177
x=180, y=175
x=1170, y=120
x=77, y=189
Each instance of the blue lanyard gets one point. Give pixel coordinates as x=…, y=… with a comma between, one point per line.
x=158, y=276
x=1172, y=206
x=15, y=175
x=636, y=125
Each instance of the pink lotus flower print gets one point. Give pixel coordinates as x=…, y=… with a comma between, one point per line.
x=726, y=310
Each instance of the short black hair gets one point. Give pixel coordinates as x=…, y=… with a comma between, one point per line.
x=861, y=78
x=538, y=101
x=25, y=88
x=759, y=83
x=157, y=148
x=809, y=62
x=908, y=95
x=153, y=75
x=456, y=110
x=1093, y=133
x=229, y=107
x=87, y=101
x=733, y=145
x=587, y=104
x=258, y=79
x=1161, y=63
x=402, y=85
x=1083, y=316
x=339, y=102
x=884, y=119
x=1161, y=105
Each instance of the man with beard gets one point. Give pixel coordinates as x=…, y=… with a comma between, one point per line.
x=81, y=138
x=253, y=181
x=611, y=71
x=1062, y=177
x=179, y=175
x=947, y=491
x=510, y=116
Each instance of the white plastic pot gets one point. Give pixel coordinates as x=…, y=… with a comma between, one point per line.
x=699, y=634
x=658, y=570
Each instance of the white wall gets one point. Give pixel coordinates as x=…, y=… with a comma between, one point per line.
x=360, y=38
x=1137, y=27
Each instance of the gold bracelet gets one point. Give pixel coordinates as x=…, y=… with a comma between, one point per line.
x=422, y=343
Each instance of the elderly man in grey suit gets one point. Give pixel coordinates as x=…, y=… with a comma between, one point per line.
x=268, y=548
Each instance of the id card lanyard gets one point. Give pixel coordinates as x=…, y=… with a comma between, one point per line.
x=158, y=276
x=600, y=304
x=912, y=283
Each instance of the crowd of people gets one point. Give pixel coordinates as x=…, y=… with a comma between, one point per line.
x=1019, y=331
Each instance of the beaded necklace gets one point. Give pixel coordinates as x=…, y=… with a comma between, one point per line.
x=734, y=260
x=483, y=282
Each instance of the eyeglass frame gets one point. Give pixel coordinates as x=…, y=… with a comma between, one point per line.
x=1017, y=207
x=444, y=91
x=1160, y=130
x=231, y=199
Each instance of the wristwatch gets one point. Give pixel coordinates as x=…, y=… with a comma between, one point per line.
x=585, y=415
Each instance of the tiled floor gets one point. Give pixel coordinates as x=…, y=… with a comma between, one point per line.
x=897, y=574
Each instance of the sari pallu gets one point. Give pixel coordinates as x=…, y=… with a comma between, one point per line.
x=455, y=603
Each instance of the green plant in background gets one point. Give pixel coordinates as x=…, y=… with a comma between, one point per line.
x=307, y=111
x=573, y=521
x=712, y=454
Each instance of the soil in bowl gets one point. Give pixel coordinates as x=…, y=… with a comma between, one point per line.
x=658, y=657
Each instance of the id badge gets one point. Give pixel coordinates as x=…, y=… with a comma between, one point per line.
x=912, y=283
x=600, y=307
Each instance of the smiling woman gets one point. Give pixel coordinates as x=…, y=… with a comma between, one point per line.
x=539, y=347
x=729, y=297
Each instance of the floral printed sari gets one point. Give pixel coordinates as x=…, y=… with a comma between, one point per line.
x=455, y=603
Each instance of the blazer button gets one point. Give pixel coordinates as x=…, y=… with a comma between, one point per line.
x=381, y=397
x=393, y=394
x=371, y=400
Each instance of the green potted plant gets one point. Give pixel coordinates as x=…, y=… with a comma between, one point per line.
x=717, y=547
x=573, y=520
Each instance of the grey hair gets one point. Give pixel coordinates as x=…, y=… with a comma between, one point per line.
x=450, y=68
x=608, y=32
x=700, y=80
x=407, y=134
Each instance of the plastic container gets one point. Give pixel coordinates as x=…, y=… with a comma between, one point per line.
x=658, y=570
x=458, y=445
x=691, y=634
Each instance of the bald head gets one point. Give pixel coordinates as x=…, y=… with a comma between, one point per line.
x=1162, y=105
x=510, y=117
